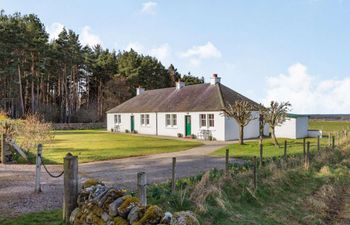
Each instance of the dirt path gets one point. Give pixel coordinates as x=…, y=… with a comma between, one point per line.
x=17, y=181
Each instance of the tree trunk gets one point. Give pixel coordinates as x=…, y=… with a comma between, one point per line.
x=32, y=85
x=241, y=135
x=274, y=137
x=20, y=89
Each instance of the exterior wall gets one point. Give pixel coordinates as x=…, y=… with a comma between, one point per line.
x=159, y=120
x=302, y=124
x=287, y=129
x=314, y=133
x=293, y=128
x=250, y=131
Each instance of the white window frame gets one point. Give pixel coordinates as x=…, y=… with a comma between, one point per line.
x=203, y=118
x=211, y=120
x=174, y=120
x=144, y=119
x=117, y=119
x=171, y=120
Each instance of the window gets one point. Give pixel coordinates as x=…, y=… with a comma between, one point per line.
x=170, y=120
x=167, y=120
x=203, y=120
x=174, y=120
x=211, y=120
x=145, y=119
x=117, y=119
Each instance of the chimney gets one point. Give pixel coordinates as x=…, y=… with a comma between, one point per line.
x=180, y=84
x=215, y=79
x=140, y=90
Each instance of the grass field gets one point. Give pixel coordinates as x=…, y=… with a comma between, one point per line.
x=251, y=148
x=95, y=145
x=295, y=146
x=39, y=218
x=329, y=126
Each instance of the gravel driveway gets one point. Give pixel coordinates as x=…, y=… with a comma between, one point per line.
x=17, y=181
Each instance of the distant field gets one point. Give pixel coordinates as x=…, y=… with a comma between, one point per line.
x=96, y=145
x=329, y=126
x=251, y=148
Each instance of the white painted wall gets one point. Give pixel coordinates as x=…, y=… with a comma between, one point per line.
x=224, y=129
x=293, y=128
x=250, y=131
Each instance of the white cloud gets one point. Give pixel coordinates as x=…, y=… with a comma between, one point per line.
x=136, y=46
x=197, y=53
x=54, y=30
x=162, y=52
x=307, y=94
x=149, y=8
x=88, y=38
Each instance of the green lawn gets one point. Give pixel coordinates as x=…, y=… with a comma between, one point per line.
x=251, y=148
x=94, y=145
x=329, y=126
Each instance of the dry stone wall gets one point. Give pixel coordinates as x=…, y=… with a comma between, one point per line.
x=102, y=205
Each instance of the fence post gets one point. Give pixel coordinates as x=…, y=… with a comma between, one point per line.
x=227, y=161
x=261, y=149
x=70, y=183
x=304, y=149
x=333, y=143
x=141, y=187
x=285, y=150
x=329, y=139
x=255, y=173
x=38, y=168
x=3, y=158
x=318, y=144
x=173, y=177
x=307, y=161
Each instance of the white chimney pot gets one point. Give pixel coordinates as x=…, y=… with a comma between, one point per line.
x=140, y=90
x=215, y=79
x=179, y=85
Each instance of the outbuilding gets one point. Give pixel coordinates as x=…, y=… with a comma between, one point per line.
x=295, y=126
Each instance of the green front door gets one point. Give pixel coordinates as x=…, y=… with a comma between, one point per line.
x=188, y=125
x=132, y=123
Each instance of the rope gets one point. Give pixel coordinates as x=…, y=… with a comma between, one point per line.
x=47, y=171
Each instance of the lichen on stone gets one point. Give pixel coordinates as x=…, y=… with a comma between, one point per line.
x=153, y=215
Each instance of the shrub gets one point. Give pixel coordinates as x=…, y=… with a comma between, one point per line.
x=127, y=131
x=193, y=136
x=179, y=135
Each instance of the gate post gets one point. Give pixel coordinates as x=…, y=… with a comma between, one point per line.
x=2, y=140
x=38, y=169
x=141, y=187
x=70, y=182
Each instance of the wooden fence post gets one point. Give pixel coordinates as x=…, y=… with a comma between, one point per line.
x=285, y=150
x=261, y=149
x=304, y=149
x=318, y=144
x=329, y=139
x=227, y=158
x=307, y=161
x=141, y=187
x=333, y=143
x=70, y=183
x=38, y=169
x=173, y=177
x=255, y=173
x=3, y=158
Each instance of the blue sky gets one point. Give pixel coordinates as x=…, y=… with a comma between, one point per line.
x=296, y=50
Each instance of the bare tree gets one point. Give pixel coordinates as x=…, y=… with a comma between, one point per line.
x=241, y=111
x=275, y=115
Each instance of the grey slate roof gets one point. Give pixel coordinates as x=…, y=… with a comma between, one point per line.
x=193, y=98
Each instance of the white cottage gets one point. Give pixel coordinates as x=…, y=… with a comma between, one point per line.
x=182, y=110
